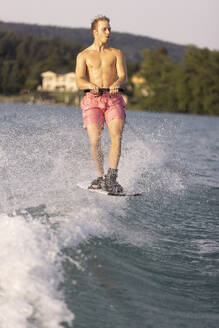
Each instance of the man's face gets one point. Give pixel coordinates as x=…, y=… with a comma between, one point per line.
x=103, y=31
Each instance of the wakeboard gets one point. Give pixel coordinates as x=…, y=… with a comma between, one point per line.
x=85, y=185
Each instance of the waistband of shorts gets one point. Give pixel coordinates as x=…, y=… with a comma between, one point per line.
x=106, y=94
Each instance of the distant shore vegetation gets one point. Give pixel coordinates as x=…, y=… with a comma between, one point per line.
x=157, y=83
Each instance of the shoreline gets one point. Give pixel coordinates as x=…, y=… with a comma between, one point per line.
x=40, y=98
x=70, y=99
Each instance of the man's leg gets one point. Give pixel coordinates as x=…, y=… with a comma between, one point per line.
x=115, y=130
x=110, y=184
x=94, y=133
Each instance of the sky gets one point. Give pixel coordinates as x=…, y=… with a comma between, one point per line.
x=179, y=21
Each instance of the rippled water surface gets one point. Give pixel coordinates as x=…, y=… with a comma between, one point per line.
x=71, y=258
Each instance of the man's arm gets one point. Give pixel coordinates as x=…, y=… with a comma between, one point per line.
x=81, y=76
x=121, y=70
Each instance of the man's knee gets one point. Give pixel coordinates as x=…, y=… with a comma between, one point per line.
x=94, y=133
x=95, y=142
x=116, y=138
x=116, y=128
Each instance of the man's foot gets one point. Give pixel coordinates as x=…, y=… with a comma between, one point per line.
x=96, y=184
x=110, y=184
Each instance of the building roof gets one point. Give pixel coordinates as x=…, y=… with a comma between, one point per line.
x=56, y=74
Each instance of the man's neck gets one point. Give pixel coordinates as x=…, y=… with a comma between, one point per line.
x=99, y=46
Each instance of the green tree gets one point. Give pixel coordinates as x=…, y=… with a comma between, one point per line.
x=198, y=84
x=189, y=87
x=160, y=74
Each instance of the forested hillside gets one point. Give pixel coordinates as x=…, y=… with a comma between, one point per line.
x=132, y=45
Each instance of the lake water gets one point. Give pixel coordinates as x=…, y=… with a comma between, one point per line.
x=71, y=258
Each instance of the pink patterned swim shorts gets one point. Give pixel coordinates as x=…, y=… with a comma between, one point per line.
x=102, y=108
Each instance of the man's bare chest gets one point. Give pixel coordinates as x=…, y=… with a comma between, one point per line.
x=100, y=61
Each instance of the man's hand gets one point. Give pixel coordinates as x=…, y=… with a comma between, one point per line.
x=94, y=89
x=114, y=87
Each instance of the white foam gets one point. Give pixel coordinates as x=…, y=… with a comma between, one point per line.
x=29, y=276
x=31, y=256
x=149, y=159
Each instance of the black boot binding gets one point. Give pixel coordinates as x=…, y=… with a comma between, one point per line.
x=96, y=184
x=110, y=184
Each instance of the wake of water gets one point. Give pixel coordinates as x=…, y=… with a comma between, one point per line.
x=43, y=154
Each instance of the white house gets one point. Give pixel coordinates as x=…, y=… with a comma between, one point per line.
x=58, y=82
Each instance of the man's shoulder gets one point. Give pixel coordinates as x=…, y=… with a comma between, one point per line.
x=85, y=52
x=116, y=51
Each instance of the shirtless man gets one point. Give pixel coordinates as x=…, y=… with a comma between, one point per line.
x=100, y=66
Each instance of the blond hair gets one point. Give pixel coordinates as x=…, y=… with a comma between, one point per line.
x=95, y=21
